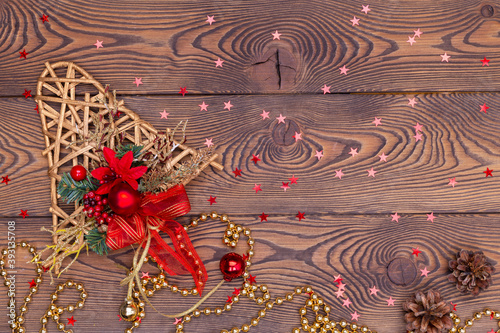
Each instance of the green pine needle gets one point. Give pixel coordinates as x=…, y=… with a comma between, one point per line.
x=71, y=190
x=123, y=149
x=97, y=241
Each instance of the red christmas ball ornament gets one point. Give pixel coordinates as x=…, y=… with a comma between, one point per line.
x=232, y=266
x=78, y=173
x=123, y=199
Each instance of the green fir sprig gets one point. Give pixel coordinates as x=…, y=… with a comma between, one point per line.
x=71, y=190
x=123, y=149
x=96, y=240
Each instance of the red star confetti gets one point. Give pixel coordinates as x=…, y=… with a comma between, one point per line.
x=395, y=217
x=454, y=306
x=36, y=109
x=412, y=102
x=353, y=152
x=276, y=35
x=338, y=174
x=218, y=63
x=452, y=182
x=319, y=154
x=492, y=331
x=390, y=301
x=164, y=114
x=257, y=188
x=251, y=279
x=424, y=272
x=483, y=107
x=417, y=33
x=212, y=200
x=293, y=180
x=377, y=121
x=71, y=321
x=281, y=119
x=371, y=172
x=337, y=278
x=343, y=70
x=255, y=158
x=6, y=180
x=138, y=81
x=119, y=317
x=416, y=251
x=445, y=57
x=236, y=291
x=285, y=186
x=418, y=137
x=485, y=62
x=365, y=9
x=229, y=300
x=210, y=19
x=245, y=257
x=44, y=18
x=340, y=293
x=418, y=127
x=145, y=275
x=263, y=217
x=203, y=106
x=347, y=302
x=354, y=316
x=374, y=291
x=24, y=213
x=98, y=44
x=297, y=136
x=27, y=93
x=178, y=321
x=228, y=105
x=411, y=40
x=431, y=217
x=208, y=142
x=23, y=54
x=326, y=89
x=32, y=283
x=237, y=172
x=183, y=91
x=354, y=21
x=488, y=172
x=383, y=157
x=300, y=216
x=264, y=115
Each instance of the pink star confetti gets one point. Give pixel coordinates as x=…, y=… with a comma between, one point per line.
x=281, y=119
x=411, y=40
x=343, y=70
x=276, y=35
x=354, y=316
x=218, y=63
x=416, y=251
x=203, y=106
x=390, y=301
x=395, y=217
x=347, y=302
x=208, y=142
x=418, y=137
x=341, y=285
x=228, y=105
x=454, y=306
x=374, y=291
x=138, y=81
x=319, y=154
x=484, y=108
x=264, y=115
x=485, y=62
x=164, y=114
x=293, y=180
x=178, y=321
x=326, y=89
x=340, y=293
x=337, y=278
x=257, y=188
x=377, y=121
x=285, y=186
x=338, y=174
x=412, y=102
x=424, y=272
x=210, y=19
x=145, y=275
x=383, y=157
x=417, y=33
x=297, y=136
x=365, y=9
x=418, y=127
x=353, y=152
x=371, y=172
x=355, y=21
x=452, y=182
x=430, y=217
x=445, y=57
x=98, y=44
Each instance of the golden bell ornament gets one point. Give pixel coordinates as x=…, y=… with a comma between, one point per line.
x=128, y=310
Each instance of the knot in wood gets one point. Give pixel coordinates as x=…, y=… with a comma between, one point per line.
x=274, y=70
x=283, y=134
x=402, y=271
x=487, y=11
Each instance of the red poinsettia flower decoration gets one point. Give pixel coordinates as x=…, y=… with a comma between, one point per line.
x=119, y=170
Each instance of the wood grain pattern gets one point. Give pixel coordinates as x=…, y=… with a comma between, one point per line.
x=459, y=141
x=170, y=45
x=288, y=253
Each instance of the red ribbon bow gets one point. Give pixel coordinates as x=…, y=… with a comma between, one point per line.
x=157, y=211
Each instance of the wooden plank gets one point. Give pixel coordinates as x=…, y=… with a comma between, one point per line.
x=287, y=253
x=170, y=45
x=458, y=142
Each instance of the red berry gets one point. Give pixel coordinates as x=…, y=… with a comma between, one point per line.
x=101, y=220
x=99, y=202
x=78, y=173
x=109, y=219
x=97, y=214
x=105, y=215
x=98, y=198
x=98, y=208
x=90, y=214
x=102, y=182
x=90, y=210
x=91, y=194
x=105, y=201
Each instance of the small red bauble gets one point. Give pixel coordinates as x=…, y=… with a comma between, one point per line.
x=78, y=173
x=232, y=266
x=123, y=199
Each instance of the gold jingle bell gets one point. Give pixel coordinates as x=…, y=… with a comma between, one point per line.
x=128, y=310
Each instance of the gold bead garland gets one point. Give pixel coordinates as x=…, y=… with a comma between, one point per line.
x=469, y=322
x=53, y=310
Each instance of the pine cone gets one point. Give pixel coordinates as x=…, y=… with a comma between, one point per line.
x=471, y=271
x=427, y=312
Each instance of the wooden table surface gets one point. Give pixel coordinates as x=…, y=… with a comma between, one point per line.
x=348, y=228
